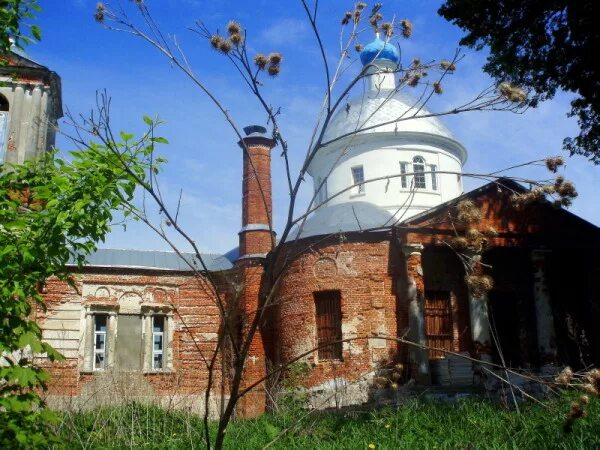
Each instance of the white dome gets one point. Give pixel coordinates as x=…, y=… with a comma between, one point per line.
x=383, y=107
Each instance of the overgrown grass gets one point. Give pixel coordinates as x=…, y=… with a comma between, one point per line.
x=467, y=424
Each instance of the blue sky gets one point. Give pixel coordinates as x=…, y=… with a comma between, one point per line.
x=204, y=159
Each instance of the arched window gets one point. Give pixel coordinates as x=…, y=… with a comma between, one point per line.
x=3, y=103
x=4, y=106
x=419, y=170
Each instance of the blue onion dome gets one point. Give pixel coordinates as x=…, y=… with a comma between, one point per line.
x=379, y=50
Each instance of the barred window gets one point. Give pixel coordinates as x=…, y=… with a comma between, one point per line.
x=438, y=322
x=329, y=324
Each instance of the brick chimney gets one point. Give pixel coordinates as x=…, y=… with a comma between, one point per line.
x=256, y=240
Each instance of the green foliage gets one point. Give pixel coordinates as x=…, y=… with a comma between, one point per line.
x=12, y=15
x=543, y=45
x=52, y=212
x=471, y=423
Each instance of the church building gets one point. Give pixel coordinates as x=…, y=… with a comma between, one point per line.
x=370, y=269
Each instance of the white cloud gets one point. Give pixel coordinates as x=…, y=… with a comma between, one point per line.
x=285, y=31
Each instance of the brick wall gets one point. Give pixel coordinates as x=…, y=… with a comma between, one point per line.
x=364, y=270
x=195, y=327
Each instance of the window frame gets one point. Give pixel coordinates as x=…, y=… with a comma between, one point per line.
x=403, y=177
x=434, y=177
x=359, y=186
x=162, y=336
x=438, y=312
x=96, y=334
x=419, y=172
x=328, y=320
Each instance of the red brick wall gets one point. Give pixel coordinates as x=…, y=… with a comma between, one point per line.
x=195, y=318
x=365, y=273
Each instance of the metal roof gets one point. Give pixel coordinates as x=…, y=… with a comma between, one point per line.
x=343, y=217
x=157, y=260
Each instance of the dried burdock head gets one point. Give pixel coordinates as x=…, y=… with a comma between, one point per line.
x=387, y=28
x=99, y=14
x=236, y=39
x=447, y=65
x=261, y=61
x=360, y=6
x=357, y=15
x=479, y=285
x=215, y=41
x=347, y=16
x=473, y=234
x=273, y=70
x=467, y=212
x=490, y=232
x=416, y=62
x=460, y=243
x=395, y=376
x=590, y=389
x=512, y=93
x=559, y=180
x=225, y=45
x=407, y=28
x=584, y=399
x=566, y=189
x=414, y=80
x=381, y=382
x=393, y=385
x=374, y=19
x=359, y=47
x=437, y=87
x=565, y=376
x=234, y=27
x=275, y=58
x=554, y=163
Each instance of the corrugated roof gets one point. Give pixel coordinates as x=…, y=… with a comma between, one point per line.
x=147, y=259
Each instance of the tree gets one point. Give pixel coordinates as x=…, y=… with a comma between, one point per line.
x=12, y=15
x=52, y=212
x=254, y=69
x=543, y=46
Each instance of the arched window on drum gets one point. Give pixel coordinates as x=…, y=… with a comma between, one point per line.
x=419, y=171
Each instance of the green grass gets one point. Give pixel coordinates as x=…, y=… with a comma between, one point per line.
x=418, y=425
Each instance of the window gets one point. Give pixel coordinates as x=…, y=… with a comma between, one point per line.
x=100, y=328
x=434, y=185
x=358, y=178
x=403, y=174
x=158, y=332
x=3, y=126
x=329, y=324
x=438, y=322
x=419, y=170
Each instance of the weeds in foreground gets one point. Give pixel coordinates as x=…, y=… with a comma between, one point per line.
x=470, y=423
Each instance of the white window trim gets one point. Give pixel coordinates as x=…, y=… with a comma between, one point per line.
x=103, y=351
x=160, y=352
x=435, y=186
x=149, y=312
x=411, y=174
x=87, y=344
x=359, y=189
